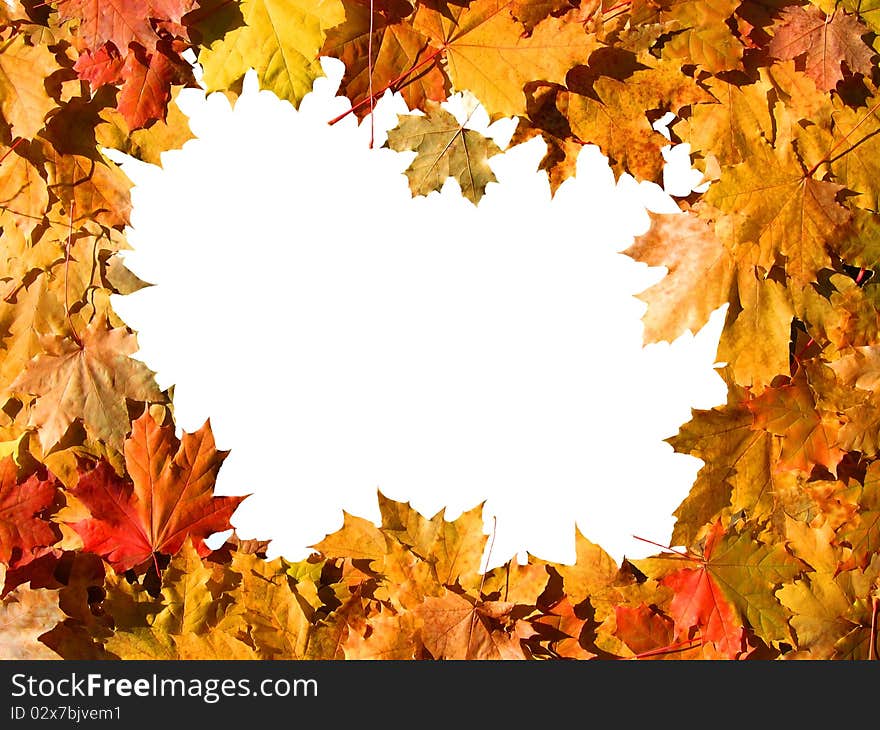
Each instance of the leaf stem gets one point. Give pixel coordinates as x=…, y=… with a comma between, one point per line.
x=73, y=332
x=390, y=85
x=370, y=76
x=669, y=649
x=872, y=651
x=16, y=142
x=686, y=556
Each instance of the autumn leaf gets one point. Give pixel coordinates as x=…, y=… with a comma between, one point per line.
x=23, y=191
x=699, y=603
x=808, y=437
x=23, y=511
x=90, y=382
x=24, y=102
x=862, y=534
x=92, y=187
x=280, y=40
x=26, y=614
x=277, y=624
x=642, y=628
x=455, y=628
x=390, y=636
x=167, y=499
x=487, y=52
x=613, y=113
x=737, y=471
x=444, y=148
x=825, y=43
x=357, y=538
x=592, y=570
x=832, y=612
x=146, y=91
x=698, y=281
x=145, y=144
x=100, y=21
x=402, y=59
x=700, y=33
x=101, y=67
x=778, y=208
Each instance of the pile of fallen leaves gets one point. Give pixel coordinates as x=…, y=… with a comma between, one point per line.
x=104, y=512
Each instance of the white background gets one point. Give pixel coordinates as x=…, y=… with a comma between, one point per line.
x=343, y=337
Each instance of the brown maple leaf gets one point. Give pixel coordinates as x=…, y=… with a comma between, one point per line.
x=825, y=42
x=456, y=628
x=120, y=22
x=90, y=381
x=168, y=497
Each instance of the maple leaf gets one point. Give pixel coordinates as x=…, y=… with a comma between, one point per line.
x=389, y=636
x=700, y=34
x=832, y=612
x=118, y=22
x=517, y=584
x=738, y=466
x=146, y=91
x=357, y=538
x=277, y=624
x=444, y=148
x=487, y=52
x=699, y=279
x=401, y=59
x=860, y=368
x=26, y=615
x=408, y=579
x=456, y=628
x=100, y=67
x=852, y=148
x=453, y=548
x=724, y=129
x=24, y=102
x=825, y=43
x=23, y=191
x=280, y=41
x=90, y=382
x=147, y=144
x=612, y=113
x=190, y=604
x=774, y=205
x=563, y=639
x=94, y=187
x=532, y=12
x=23, y=504
x=169, y=496
x=642, y=628
x=699, y=602
x=593, y=569
x=862, y=534
x=809, y=437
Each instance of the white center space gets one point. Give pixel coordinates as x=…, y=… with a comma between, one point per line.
x=343, y=337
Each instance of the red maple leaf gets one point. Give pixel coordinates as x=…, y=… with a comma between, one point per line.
x=146, y=91
x=699, y=603
x=103, y=66
x=23, y=527
x=168, y=497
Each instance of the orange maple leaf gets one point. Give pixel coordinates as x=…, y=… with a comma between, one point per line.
x=168, y=497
